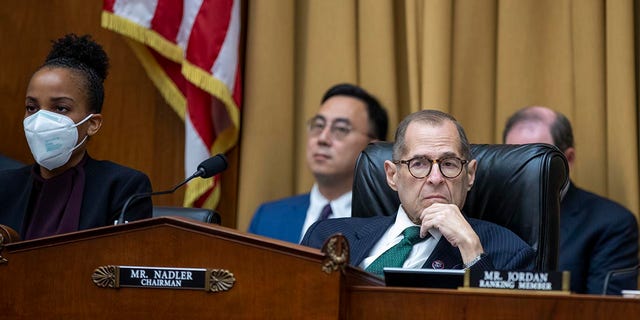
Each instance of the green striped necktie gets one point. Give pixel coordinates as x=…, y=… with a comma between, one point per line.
x=396, y=255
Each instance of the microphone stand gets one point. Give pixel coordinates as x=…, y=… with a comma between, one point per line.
x=133, y=197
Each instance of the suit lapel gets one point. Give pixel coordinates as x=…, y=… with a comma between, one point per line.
x=89, y=212
x=444, y=256
x=571, y=203
x=569, y=209
x=24, y=208
x=367, y=236
x=296, y=220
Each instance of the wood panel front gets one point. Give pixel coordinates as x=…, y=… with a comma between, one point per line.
x=51, y=277
x=409, y=303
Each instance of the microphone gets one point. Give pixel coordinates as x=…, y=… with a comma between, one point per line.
x=210, y=167
x=616, y=273
x=206, y=169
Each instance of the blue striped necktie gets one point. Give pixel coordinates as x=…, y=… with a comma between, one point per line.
x=326, y=212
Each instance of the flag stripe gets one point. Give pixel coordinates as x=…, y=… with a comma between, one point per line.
x=237, y=87
x=208, y=33
x=195, y=150
x=214, y=86
x=107, y=5
x=140, y=12
x=225, y=65
x=200, y=117
x=191, y=9
x=167, y=19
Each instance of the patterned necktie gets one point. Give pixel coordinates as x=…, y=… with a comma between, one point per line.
x=326, y=212
x=396, y=255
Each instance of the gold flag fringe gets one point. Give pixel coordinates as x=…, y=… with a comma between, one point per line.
x=144, y=35
x=165, y=85
x=205, y=81
x=197, y=187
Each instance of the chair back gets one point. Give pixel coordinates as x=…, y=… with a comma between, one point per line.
x=199, y=214
x=516, y=186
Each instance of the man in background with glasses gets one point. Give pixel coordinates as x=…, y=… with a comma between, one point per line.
x=432, y=170
x=597, y=235
x=348, y=119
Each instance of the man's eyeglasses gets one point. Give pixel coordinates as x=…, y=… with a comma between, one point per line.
x=420, y=167
x=339, y=129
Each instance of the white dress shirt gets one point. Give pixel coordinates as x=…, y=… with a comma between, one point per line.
x=420, y=251
x=340, y=207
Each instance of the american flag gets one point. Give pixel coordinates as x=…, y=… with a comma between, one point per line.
x=191, y=51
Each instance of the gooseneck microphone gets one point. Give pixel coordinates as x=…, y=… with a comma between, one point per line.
x=206, y=169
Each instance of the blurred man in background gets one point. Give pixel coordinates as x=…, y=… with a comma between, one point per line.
x=348, y=119
x=597, y=235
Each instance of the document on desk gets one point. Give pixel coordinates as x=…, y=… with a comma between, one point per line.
x=424, y=278
x=635, y=294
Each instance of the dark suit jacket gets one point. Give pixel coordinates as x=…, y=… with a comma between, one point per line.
x=596, y=235
x=282, y=219
x=8, y=163
x=107, y=187
x=504, y=249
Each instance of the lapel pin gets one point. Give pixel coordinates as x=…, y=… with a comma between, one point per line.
x=438, y=264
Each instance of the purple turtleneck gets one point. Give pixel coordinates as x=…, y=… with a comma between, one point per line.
x=56, y=202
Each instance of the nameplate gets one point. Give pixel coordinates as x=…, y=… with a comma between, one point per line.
x=519, y=280
x=163, y=277
x=178, y=278
x=424, y=278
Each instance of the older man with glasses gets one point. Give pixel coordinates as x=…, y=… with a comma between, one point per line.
x=348, y=119
x=432, y=170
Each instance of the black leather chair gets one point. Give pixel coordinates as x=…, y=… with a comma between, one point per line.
x=199, y=214
x=516, y=186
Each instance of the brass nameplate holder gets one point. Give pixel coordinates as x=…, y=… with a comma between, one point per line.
x=7, y=235
x=211, y=280
x=549, y=281
x=3, y=260
x=336, y=250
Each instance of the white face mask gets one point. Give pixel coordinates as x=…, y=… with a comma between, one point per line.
x=52, y=137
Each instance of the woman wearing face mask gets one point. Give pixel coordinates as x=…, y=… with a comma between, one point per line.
x=67, y=190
